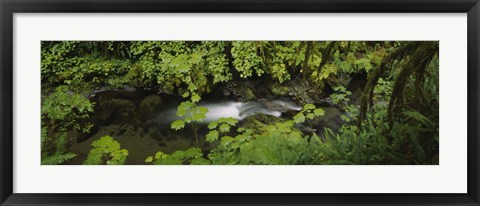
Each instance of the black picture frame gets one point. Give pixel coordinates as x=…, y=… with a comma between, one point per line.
x=9, y=7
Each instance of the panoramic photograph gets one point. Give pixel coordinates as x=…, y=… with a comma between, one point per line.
x=239, y=103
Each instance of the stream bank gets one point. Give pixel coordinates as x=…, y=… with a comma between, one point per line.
x=132, y=116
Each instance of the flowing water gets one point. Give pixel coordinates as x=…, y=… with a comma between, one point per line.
x=141, y=122
x=236, y=110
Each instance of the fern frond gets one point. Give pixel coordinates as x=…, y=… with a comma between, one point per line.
x=57, y=159
x=417, y=116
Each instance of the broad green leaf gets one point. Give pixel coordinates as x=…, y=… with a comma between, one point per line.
x=319, y=112
x=212, y=125
x=224, y=128
x=299, y=118
x=195, y=97
x=212, y=136
x=308, y=106
x=178, y=124
x=149, y=159
x=310, y=116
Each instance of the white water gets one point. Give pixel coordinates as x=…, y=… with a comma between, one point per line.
x=226, y=109
x=236, y=110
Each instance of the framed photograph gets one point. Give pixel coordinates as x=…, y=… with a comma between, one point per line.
x=266, y=102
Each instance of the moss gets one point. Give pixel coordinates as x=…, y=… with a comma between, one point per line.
x=248, y=94
x=279, y=90
x=258, y=122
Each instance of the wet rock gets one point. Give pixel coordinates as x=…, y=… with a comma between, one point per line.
x=279, y=89
x=332, y=120
x=259, y=121
x=303, y=92
x=239, y=90
x=305, y=129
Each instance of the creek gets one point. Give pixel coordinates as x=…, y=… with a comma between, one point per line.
x=140, y=121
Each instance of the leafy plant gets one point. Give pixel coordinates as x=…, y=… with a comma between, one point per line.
x=221, y=126
x=54, y=154
x=191, y=114
x=397, y=115
x=246, y=60
x=383, y=89
x=106, y=151
x=340, y=96
x=190, y=156
x=63, y=109
x=279, y=144
x=308, y=112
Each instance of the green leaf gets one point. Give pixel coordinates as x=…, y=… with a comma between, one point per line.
x=226, y=140
x=108, y=148
x=182, y=68
x=212, y=136
x=202, y=110
x=319, y=112
x=195, y=58
x=417, y=116
x=198, y=117
x=308, y=106
x=310, y=116
x=192, y=87
x=299, y=118
x=160, y=155
x=184, y=108
x=149, y=159
x=231, y=121
x=57, y=159
x=212, y=125
x=178, y=124
x=224, y=128
x=195, y=98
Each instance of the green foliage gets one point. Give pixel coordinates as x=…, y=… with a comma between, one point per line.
x=53, y=56
x=221, y=126
x=415, y=115
x=351, y=113
x=65, y=108
x=247, y=61
x=191, y=114
x=106, y=151
x=402, y=75
x=190, y=156
x=282, y=144
x=178, y=124
x=359, y=147
x=279, y=144
x=62, y=110
x=57, y=159
x=279, y=90
x=308, y=112
x=178, y=65
x=383, y=89
x=340, y=96
x=72, y=63
x=53, y=148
